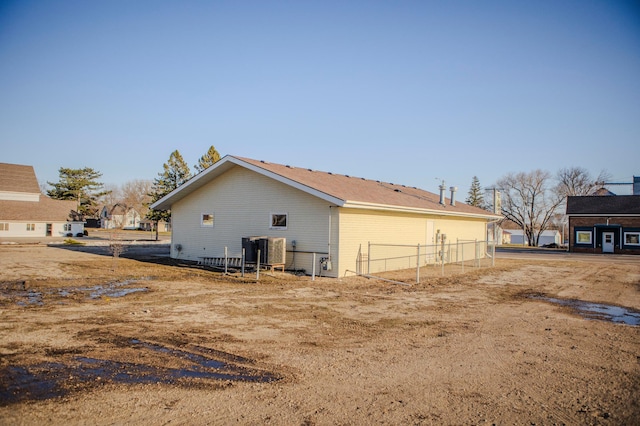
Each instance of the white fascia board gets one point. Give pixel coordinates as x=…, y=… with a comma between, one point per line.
x=402, y=209
x=210, y=173
x=19, y=196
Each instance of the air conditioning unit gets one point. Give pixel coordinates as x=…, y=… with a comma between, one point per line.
x=276, y=251
x=273, y=250
x=250, y=246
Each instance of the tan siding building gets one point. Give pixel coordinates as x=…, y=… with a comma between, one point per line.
x=322, y=216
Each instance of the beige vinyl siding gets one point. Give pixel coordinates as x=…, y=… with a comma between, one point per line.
x=242, y=202
x=358, y=228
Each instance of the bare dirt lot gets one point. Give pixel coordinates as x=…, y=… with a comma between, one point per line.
x=85, y=339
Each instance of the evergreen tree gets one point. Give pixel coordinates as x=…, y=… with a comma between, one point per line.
x=475, y=197
x=175, y=173
x=209, y=159
x=81, y=185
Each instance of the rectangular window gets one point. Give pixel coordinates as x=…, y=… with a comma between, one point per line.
x=206, y=220
x=67, y=227
x=583, y=237
x=279, y=220
x=31, y=226
x=632, y=238
x=4, y=226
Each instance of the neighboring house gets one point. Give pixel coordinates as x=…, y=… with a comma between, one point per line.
x=25, y=212
x=323, y=216
x=118, y=216
x=604, y=224
x=546, y=237
x=150, y=225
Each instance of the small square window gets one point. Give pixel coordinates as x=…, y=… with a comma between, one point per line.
x=207, y=220
x=632, y=238
x=279, y=220
x=4, y=226
x=31, y=226
x=583, y=237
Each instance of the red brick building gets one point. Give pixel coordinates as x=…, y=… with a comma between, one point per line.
x=604, y=224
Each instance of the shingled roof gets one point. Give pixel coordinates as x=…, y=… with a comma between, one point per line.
x=343, y=190
x=44, y=210
x=17, y=178
x=604, y=205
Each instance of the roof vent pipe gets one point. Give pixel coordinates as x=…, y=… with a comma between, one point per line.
x=442, y=189
x=453, y=190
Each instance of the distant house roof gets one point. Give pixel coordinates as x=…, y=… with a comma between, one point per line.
x=602, y=192
x=597, y=205
x=18, y=178
x=43, y=210
x=342, y=190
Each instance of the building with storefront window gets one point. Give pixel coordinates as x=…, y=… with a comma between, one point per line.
x=604, y=224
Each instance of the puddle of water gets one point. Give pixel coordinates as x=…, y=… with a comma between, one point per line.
x=49, y=380
x=25, y=297
x=21, y=384
x=597, y=311
x=29, y=297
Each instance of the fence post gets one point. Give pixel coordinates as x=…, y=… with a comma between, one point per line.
x=463, y=258
x=476, y=263
x=243, y=254
x=493, y=254
x=258, y=266
x=442, y=256
x=418, y=266
x=313, y=268
x=369, y=257
x=225, y=260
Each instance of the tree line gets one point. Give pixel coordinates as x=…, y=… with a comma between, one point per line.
x=84, y=187
x=531, y=201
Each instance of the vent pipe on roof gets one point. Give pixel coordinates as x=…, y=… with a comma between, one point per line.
x=453, y=190
x=442, y=189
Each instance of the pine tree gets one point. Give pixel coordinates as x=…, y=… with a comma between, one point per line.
x=175, y=173
x=475, y=197
x=209, y=159
x=81, y=185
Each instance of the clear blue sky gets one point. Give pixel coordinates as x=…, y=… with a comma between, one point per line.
x=409, y=92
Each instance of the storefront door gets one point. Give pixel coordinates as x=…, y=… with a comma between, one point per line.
x=608, y=242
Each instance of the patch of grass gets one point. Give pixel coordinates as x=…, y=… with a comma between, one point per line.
x=72, y=242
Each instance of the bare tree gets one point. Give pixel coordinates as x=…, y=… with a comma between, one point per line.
x=135, y=195
x=529, y=201
x=113, y=196
x=116, y=247
x=577, y=181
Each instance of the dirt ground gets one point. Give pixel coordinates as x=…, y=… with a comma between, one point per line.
x=87, y=339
